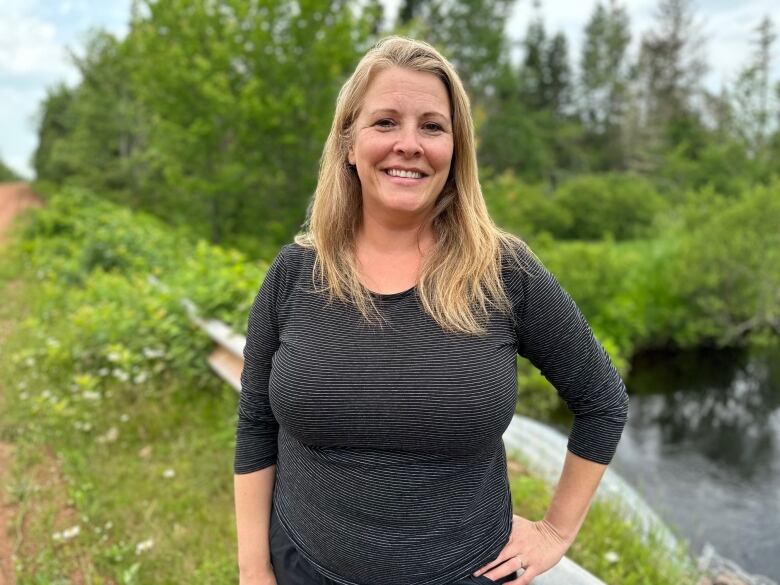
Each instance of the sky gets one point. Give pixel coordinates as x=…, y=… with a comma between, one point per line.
x=35, y=36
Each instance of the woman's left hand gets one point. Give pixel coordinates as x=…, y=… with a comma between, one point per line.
x=533, y=546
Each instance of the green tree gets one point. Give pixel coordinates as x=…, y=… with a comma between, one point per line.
x=667, y=80
x=753, y=103
x=471, y=33
x=604, y=80
x=531, y=128
x=51, y=157
x=241, y=95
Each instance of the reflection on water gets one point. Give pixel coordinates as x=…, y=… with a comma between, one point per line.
x=703, y=445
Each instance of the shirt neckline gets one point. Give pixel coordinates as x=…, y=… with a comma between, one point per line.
x=389, y=296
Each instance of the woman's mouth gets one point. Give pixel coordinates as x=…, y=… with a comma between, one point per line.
x=404, y=174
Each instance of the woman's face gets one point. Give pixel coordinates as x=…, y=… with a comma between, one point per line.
x=402, y=144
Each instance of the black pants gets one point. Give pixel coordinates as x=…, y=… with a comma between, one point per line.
x=291, y=568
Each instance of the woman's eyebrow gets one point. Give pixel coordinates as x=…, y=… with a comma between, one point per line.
x=395, y=112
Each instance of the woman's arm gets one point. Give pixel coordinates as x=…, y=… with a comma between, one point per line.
x=554, y=335
x=253, y=492
x=538, y=546
x=256, y=434
x=575, y=490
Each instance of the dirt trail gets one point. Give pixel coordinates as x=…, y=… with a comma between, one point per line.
x=14, y=198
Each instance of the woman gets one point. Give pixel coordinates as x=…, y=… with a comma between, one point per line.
x=380, y=372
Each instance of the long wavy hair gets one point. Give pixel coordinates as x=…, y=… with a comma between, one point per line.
x=460, y=278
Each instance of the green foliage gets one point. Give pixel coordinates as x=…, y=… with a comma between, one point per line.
x=93, y=261
x=587, y=207
x=612, y=205
x=732, y=266
x=207, y=115
x=471, y=33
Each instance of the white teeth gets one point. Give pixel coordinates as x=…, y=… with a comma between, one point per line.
x=404, y=174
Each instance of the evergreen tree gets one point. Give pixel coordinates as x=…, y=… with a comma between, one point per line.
x=603, y=66
x=471, y=33
x=667, y=80
x=753, y=100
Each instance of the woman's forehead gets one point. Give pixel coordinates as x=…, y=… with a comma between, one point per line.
x=421, y=91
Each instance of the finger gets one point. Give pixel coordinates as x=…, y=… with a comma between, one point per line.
x=502, y=556
x=510, y=566
x=526, y=577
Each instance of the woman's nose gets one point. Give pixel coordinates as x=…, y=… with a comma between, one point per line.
x=408, y=142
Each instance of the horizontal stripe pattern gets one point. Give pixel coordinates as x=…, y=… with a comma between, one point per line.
x=391, y=468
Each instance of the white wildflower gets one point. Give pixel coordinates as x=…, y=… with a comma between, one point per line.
x=121, y=375
x=140, y=378
x=24, y=396
x=124, y=418
x=144, y=546
x=611, y=557
x=22, y=385
x=169, y=473
x=52, y=342
x=113, y=356
x=152, y=353
x=67, y=534
x=111, y=435
x=46, y=394
x=90, y=395
x=108, y=525
x=30, y=361
x=103, y=372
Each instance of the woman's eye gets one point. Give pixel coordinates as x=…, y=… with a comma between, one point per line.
x=384, y=123
x=432, y=127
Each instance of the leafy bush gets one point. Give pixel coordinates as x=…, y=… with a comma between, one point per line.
x=524, y=209
x=94, y=261
x=611, y=205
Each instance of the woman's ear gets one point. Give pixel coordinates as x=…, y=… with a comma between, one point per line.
x=351, y=156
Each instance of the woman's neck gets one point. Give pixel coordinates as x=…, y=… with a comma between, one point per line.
x=394, y=239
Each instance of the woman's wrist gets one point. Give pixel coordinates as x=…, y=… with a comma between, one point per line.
x=562, y=534
x=255, y=567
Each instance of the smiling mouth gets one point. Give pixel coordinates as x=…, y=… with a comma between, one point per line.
x=404, y=174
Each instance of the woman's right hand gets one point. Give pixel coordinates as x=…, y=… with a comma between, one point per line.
x=264, y=578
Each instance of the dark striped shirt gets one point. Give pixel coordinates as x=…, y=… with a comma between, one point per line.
x=391, y=468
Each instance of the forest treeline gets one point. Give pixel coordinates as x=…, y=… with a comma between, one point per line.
x=653, y=199
x=215, y=113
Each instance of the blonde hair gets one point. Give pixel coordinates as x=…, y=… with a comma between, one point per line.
x=460, y=278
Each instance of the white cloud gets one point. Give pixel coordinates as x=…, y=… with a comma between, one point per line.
x=730, y=33
x=29, y=46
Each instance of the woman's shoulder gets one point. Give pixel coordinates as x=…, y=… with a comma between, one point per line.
x=294, y=254
x=517, y=258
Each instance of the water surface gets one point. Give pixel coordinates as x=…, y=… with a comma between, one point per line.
x=703, y=446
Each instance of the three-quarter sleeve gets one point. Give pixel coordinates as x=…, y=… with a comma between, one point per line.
x=257, y=429
x=554, y=335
